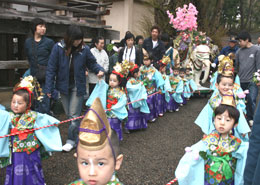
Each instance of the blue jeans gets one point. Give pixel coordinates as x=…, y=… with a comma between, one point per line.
x=250, y=98
x=72, y=105
x=252, y=168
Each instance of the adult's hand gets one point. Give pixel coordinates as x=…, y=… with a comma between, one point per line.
x=258, y=84
x=100, y=74
x=86, y=73
x=49, y=95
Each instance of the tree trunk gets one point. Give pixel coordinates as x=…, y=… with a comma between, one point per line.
x=241, y=14
x=215, y=19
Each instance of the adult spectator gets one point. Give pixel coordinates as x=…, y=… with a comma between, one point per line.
x=231, y=48
x=252, y=168
x=102, y=59
x=247, y=63
x=154, y=45
x=130, y=52
x=258, y=42
x=67, y=66
x=139, y=40
x=38, y=49
x=122, y=43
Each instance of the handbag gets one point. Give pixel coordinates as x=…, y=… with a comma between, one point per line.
x=41, y=69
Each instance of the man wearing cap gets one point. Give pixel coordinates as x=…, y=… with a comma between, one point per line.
x=231, y=48
x=247, y=63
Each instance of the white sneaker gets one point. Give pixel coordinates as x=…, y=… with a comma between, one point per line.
x=153, y=120
x=251, y=122
x=67, y=147
x=181, y=104
x=177, y=110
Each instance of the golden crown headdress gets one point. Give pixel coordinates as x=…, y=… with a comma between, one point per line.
x=165, y=60
x=122, y=69
x=146, y=55
x=95, y=130
x=228, y=99
x=225, y=66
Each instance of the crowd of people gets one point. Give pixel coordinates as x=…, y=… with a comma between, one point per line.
x=145, y=79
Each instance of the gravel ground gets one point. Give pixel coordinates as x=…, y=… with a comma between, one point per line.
x=150, y=156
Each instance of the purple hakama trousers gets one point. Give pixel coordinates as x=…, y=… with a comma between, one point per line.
x=184, y=100
x=172, y=105
x=151, y=101
x=25, y=169
x=136, y=119
x=116, y=125
x=161, y=106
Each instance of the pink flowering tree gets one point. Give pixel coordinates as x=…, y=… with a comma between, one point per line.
x=186, y=18
x=185, y=23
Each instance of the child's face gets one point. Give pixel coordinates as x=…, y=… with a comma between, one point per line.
x=163, y=69
x=113, y=81
x=147, y=62
x=18, y=105
x=224, y=123
x=182, y=74
x=225, y=85
x=137, y=75
x=175, y=72
x=187, y=72
x=97, y=167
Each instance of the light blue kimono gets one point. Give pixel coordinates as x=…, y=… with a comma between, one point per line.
x=191, y=168
x=158, y=79
x=205, y=120
x=192, y=86
x=101, y=90
x=186, y=88
x=2, y=107
x=137, y=92
x=49, y=137
x=167, y=88
x=178, y=92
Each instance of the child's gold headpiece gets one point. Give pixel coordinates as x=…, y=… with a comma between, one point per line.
x=228, y=99
x=95, y=131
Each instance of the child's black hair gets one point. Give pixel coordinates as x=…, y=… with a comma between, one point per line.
x=188, y=68
x=24, y=93
x=157, y=65
x=232, y=111
x=182, y=70
x=220, y=76
x=175, y=68
x=132, y=73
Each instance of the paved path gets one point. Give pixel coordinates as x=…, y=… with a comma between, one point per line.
x=150, y=156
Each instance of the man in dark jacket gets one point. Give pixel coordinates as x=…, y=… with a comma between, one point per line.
x=154, y=45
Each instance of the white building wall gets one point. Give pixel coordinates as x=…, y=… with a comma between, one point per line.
x=126, y=15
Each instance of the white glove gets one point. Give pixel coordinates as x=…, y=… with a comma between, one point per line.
x=213, y=65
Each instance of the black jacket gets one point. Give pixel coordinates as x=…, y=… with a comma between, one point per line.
x=138, y=56
x=157, y=52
